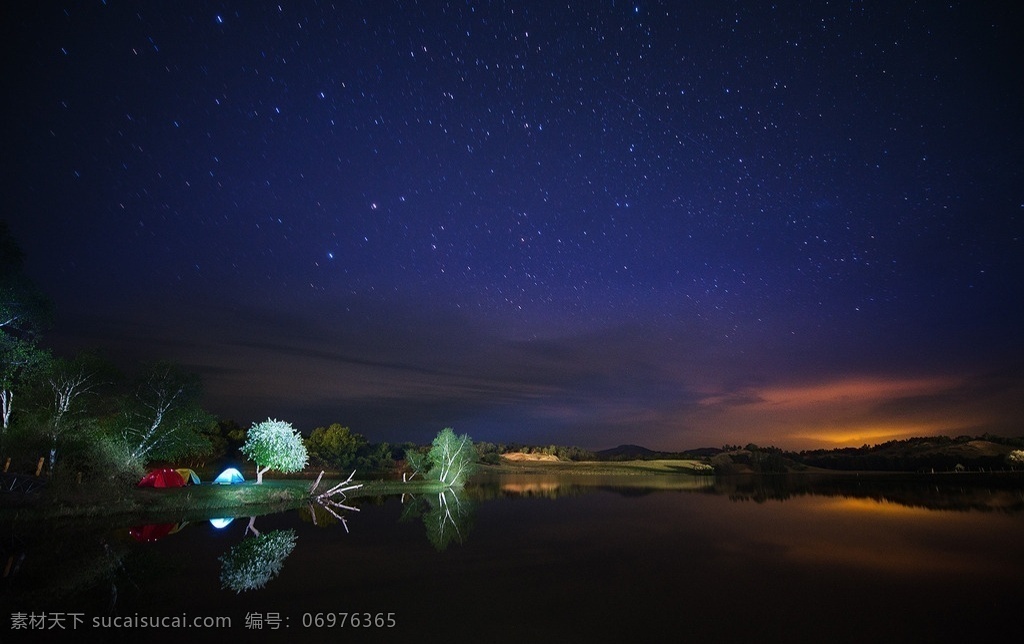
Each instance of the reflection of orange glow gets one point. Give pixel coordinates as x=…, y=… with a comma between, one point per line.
x=899, y=560
x=870, y=506
x=529, y=488
x=876, y=535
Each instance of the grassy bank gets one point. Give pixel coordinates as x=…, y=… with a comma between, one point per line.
x=197, y=502
x=194, y=502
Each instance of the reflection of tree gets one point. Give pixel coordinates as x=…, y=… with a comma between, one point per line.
x=447, y=516
x=43, y=567
x=255, y=561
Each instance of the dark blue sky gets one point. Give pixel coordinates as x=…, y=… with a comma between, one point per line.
x=674, y=224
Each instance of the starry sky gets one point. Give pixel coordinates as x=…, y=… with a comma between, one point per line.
x=673, y=224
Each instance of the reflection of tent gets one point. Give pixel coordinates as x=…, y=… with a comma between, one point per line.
x=188, y=475
x=165, y=477
x=221, y=523
x=152, y=532
x=229, y=476
x=179, y=527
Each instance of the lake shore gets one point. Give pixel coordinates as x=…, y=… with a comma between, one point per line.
x=206, y=500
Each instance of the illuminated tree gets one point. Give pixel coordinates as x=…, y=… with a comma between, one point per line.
x=70, y=381
x=18, y=357
x=275, y=444
x=23, y=314
x=416, y=460
x=452, y=458
x=162, y=419
x=1016, y=458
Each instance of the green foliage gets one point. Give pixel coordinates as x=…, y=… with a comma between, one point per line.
x=20, y=356
x=375, y=458
x=491, y=458
x=100, y=460
x=417, y=461
x=335, y=446
x=250, y=564
x=452, y=458
x=225, y=438
x=275, y=444
x=24, y=312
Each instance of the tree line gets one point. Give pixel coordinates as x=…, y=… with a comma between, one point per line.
x=69, y=418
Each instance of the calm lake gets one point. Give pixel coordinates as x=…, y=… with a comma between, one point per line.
x=530, y=558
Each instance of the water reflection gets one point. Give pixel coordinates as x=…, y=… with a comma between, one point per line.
x=250, y=564
x=447, y=516
x=488, y=487
x=153, y=532
x=711, y=549
x=959, y=492
x=48, y=565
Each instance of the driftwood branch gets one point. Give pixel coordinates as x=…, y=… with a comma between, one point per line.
x=327, y=499
x=316, y=482
x=340, y=488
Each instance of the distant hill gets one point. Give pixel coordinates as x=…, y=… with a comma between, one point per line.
x=939, y=453
x=626, y=453
x=930, y=453
x=641, y=453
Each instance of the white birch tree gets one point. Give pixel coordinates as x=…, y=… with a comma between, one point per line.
x=163, y=419
x=23, y=314
x=453, y=458
x=69, y=382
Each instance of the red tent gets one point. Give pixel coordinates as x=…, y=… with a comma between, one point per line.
x=165, y=477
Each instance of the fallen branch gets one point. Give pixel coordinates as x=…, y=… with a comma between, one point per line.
x=327, y=501
x=340, y=488
x=316, y=482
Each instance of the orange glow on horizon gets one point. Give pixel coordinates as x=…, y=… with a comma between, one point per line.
x=858, y=436
x=844, y=412
x=853, y=390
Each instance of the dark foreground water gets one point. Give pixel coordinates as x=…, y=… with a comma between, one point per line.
x=547, y=559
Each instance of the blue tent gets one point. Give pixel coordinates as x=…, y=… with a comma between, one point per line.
x=229, y=476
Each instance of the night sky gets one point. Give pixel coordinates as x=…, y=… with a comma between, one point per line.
x=676, y=224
